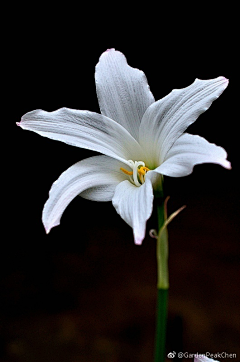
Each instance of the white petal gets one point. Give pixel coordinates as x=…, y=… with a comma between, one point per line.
x=203, y=358
x=83, y=129
x=166, y=119
x=188, y=151
x=134, y=204
x=123, y=91
x=96, y=177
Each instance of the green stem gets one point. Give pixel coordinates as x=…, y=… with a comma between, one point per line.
x=162, y=284
x=160, y=348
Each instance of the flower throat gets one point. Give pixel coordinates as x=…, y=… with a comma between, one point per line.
x=137, y=175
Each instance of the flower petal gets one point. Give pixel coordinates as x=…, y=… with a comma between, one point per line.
x=188, y=151
x=166, y=119
x=83, y=129
x=94, y=178
x=123, y=91
x=134, y=204
x=203, y=358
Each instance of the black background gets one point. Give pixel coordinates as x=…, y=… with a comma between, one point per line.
x=85, y=292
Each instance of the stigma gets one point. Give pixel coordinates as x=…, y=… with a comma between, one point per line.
x=137, y=175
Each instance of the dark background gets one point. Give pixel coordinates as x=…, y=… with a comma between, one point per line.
x=85, y=292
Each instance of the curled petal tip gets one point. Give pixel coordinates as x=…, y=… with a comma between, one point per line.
x=138, y=241
x=47, y=229
x=108, y=51
x=228, y=165
x=226, y=80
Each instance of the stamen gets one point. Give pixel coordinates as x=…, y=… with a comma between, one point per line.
x=138, y=174
x=135, y=172
x=125, y=171
x=142, y=170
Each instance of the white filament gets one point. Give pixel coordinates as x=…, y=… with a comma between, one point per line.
x=134, y=166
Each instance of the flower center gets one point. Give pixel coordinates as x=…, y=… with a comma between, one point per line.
x=137, y=175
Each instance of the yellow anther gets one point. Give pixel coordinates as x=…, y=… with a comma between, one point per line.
x=126, y=172
x=142, y=170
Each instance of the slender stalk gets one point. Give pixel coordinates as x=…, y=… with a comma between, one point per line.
x=162, y=248
x=162, y=285
x=160, y=348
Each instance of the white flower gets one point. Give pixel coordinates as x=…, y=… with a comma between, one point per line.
x=140, y=140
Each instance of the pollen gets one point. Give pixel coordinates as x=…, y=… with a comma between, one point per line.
x=142, y=170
